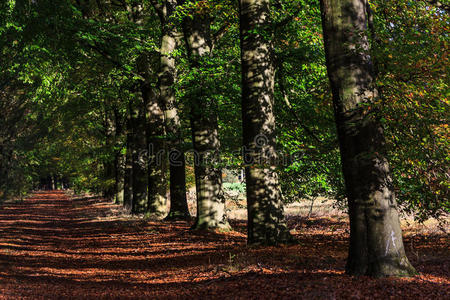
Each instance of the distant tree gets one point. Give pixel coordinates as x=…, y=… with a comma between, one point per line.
x=139, y=150
x=128, y=172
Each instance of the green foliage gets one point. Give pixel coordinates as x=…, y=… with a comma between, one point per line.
x=234, y=187
x=306, y=125
x=409, y=47
x=69, y=71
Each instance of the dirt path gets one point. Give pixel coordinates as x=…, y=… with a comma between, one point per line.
x=55, y=247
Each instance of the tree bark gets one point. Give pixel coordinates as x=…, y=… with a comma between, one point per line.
x=166, y=81
x=119, y=162
x=156, y=153
x=119, y=157
x=266, y=223
x=208, y=175
x=128, y=175
x=109, y=164
x=376, y=246
x=157, y=158
x=139, y=157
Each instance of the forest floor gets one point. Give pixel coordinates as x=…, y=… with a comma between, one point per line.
x=53, y=246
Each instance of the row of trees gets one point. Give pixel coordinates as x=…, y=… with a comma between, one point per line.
x=115, y=94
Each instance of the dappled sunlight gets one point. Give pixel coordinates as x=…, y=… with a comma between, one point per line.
x=88, y=248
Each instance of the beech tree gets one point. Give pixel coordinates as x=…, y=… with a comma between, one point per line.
x=139, y=163
x=154, y=134
x=205, y=136
x=167, y=100
x=128, y=172
x=376, y=246
x=264, y=202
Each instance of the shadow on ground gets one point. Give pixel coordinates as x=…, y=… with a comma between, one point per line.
x=52, y=246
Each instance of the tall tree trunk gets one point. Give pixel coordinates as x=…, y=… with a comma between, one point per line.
x=52, y=179
x=166, y=81
x=139, y=151
x=119, y=174
x=109, y=164
x=208, y=175
x=157, y=158
x=128, y=172
x=266, y=223
x=376, y=246
x=119, y=162
x=119, y=159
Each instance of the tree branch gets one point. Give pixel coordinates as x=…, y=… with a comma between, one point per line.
x=219, y=34
x=109, y=58
x=292, y=110
x=288, y=19
x=159, y=10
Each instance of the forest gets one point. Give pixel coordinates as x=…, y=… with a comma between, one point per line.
x=224, y=149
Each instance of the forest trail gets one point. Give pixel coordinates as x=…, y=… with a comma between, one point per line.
x=56, y=247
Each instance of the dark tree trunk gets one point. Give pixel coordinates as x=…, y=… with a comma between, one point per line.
x=109, y=165
x=139, y=156
x=157, y=158
x=266, y=223
x=128, y=172
x=166, y=81
x=208, y=175
x=119, y=159
x=119, y=162
x=376, y=246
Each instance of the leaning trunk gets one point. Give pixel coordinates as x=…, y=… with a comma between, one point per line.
x=208, y=174
x=266, y=223
x=376, y=246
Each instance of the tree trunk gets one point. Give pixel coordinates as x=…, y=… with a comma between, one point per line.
x=376, y=246
x=139, y=151
x=119, y=158
x=128, y=172
x=157, y=158
x=166, y=81
x=53, y=186
x=119, y=162
x=109, y=164
x=208, y=175
x=266, y=223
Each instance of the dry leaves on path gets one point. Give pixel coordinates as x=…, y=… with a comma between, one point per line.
x=52, y=246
